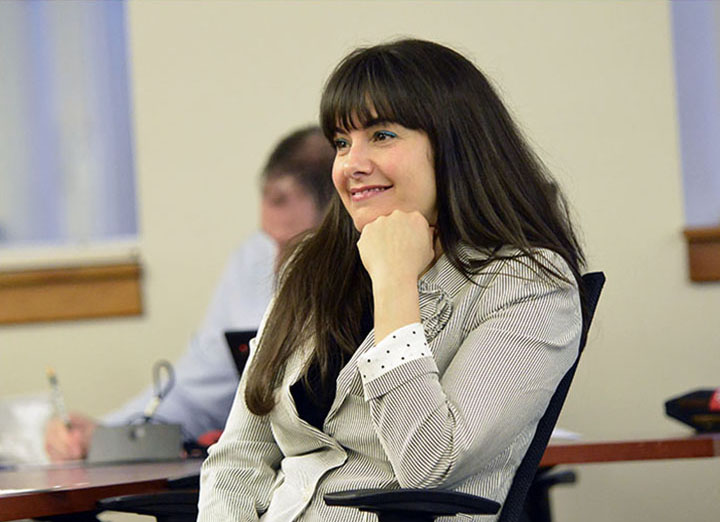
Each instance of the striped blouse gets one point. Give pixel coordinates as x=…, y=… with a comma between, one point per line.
x=451, y=402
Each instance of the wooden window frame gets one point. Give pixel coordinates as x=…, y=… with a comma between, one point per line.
x=70, y=292
x=703, y=253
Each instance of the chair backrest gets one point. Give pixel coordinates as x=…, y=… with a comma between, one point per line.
x=515, y=500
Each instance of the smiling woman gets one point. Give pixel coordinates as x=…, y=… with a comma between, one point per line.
x=418, y=334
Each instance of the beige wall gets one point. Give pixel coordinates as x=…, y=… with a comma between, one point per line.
x=214, y=84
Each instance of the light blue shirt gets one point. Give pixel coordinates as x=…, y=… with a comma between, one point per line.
x=206, y=378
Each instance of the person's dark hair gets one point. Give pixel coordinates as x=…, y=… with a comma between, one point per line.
x=305, y=156
x=492, y=191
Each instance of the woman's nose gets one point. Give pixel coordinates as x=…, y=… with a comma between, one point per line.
x=357, y=161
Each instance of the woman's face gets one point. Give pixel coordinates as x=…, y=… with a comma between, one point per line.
x=384, y=167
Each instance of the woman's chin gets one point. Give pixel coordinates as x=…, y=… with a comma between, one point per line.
x=362, y=220
x=359, y=225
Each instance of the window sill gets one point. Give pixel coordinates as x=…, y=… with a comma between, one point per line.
x=78, y=292
x=703, y=253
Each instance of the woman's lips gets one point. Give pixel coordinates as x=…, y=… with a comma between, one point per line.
x=363, y=193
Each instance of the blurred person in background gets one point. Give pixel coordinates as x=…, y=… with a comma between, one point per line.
x=296, y=187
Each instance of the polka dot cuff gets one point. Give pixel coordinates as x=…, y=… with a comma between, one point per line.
x=404, y=345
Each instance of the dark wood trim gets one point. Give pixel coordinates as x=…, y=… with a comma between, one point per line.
x=67, y=293
x=699, y=446
x=74, y=487
x=51, y=503
x=703, y=253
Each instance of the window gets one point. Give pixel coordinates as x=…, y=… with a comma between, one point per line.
x=696, y=31
x=66, y=156
x=696, y=34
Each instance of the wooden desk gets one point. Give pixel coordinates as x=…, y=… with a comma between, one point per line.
x=582, y=452
x=76, y=488
x=537, y=503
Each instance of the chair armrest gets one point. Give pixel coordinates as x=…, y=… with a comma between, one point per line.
x=436, y=502
x=549, y=479
x=191, y=481
x=177, y=506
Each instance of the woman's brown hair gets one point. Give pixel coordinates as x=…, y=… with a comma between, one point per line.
x=492, y=191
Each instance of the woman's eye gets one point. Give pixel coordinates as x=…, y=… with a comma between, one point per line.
x=384, y=135
x=340, y=143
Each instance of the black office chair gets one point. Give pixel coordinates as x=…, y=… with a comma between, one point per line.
x=400, y=505
x=425, y=505
x=177, y=505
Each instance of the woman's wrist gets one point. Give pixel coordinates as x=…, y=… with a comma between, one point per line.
x=396, y=304
x=393, y=282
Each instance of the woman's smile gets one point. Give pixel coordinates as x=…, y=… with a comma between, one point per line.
x=364, y=193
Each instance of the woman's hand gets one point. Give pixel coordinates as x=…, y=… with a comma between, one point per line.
x=396, y=250
x=397, y=247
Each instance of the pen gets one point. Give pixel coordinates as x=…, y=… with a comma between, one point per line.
x=57, y=397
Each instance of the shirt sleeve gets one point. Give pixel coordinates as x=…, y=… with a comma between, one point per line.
x=200, y=401
x=205, y=383
x=441, y=428
x=403, y=346
x=206, y=378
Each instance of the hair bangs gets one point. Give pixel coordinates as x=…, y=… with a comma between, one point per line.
x=365, y=88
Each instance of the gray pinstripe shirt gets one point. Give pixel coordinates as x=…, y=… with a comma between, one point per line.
x=452, y=402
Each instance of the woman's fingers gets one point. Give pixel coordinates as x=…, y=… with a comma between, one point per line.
x=399, y=245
